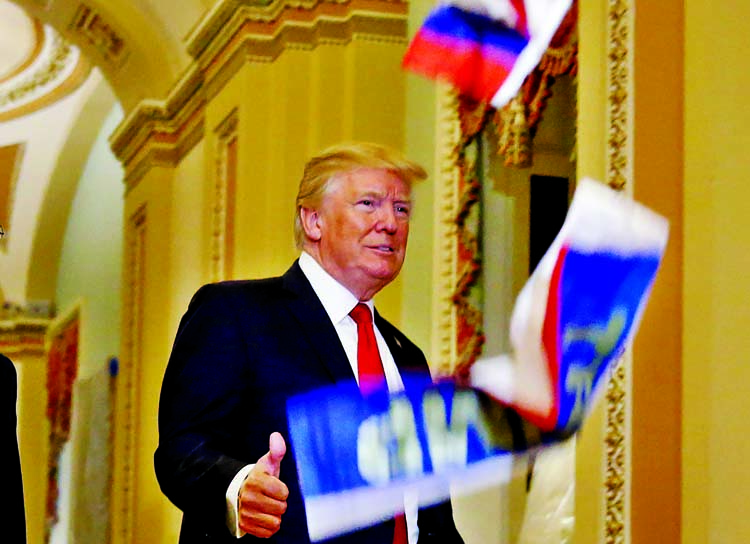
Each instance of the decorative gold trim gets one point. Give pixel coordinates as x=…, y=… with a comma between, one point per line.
x=230, y=15
x=23, y=335
x=445, y=274
x=619, y=176
x=161, y=132
x=615, y=446
x=92, y=27
x=620, y=29
x=124, y=473
x=63, y=72
x=70, y=84
x=224, y=133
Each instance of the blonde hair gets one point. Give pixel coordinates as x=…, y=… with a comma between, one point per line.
x=341, y=159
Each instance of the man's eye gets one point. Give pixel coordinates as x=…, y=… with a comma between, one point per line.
x=366, y=202
x=403, y=210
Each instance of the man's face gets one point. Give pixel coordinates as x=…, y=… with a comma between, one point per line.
x=363, y=226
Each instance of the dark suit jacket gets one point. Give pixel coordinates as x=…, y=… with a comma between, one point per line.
x=242, y=349
x=13, y=528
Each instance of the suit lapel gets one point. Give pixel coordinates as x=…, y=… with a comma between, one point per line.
x=315, y=324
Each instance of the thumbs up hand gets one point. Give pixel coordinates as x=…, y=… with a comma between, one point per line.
x=270, y=463
x=263, y=495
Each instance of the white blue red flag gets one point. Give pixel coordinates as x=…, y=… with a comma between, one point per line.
x=358, y=457
x=578, y=311
x=485, y=48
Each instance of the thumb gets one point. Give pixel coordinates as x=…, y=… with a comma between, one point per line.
x=271, y=462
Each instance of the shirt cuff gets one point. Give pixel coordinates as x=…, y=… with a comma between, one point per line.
x=233, y=501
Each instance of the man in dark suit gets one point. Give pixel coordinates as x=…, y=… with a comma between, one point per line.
x=244, y=347
x=13, y=529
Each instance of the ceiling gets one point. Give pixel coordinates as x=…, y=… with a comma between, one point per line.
x=39, y=71
x=18, y=40
x=63, y=65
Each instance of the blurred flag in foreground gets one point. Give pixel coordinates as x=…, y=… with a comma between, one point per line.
x=357, y=457
x=485, y=48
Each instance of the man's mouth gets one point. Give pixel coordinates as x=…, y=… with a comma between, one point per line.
x=384, y=248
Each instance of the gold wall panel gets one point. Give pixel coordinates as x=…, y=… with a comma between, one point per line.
x=126, y=412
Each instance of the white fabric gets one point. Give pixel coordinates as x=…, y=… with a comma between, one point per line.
x=337, y=301
x=233, y=497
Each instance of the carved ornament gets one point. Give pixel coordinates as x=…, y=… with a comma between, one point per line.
x=619, y=176
x=61, y=71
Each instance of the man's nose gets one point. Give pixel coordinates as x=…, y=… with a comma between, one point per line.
x=387, y=220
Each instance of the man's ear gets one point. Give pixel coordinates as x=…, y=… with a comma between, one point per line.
x=311, y=223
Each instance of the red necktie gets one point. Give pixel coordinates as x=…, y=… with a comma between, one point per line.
x=372, y=377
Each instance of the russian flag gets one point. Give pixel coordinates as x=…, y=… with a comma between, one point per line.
x=485, y=48
x=579, y=310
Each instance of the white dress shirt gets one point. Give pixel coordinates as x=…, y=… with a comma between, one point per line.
x=337, y=301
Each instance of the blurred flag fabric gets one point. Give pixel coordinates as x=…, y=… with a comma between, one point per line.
x=358, y=456
x=485, y=48
x=578, y=310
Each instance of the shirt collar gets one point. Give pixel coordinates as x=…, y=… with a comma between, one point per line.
x=336, y=299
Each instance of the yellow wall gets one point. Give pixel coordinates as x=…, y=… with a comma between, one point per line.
x=143, y=366
x=33, y=439
x=419, y=137
x=716, y=311
x=288, y=110
x=653, y=460
x=657, y=351
x=591, y=147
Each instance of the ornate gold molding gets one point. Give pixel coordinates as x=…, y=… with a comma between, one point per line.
x=161, y=132
x=615, y=445
x=90, y=25
x=445, y=274
x=124, y=471
x=229, y=16
x=619, y=68
x=222, y=239
x=62, y=70
x=619, y=176
x=23, y=335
